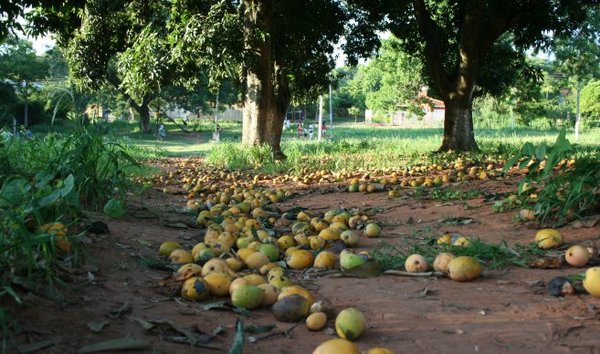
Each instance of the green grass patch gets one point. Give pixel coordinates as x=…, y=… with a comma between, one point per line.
x=492, y=255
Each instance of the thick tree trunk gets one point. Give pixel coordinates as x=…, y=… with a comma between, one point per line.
x=458, y=127
x=267, y=91
x=455, y=82
x=142, y=109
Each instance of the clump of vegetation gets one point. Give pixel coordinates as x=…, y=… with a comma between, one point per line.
x=494, y=256
x=45, y=185
x=563, y=181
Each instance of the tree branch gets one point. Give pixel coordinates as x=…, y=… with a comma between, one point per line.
x=431, y=33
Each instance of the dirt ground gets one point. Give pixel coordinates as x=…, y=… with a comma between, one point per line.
x=505, y=311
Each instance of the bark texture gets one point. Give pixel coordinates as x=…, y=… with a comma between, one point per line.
x=455, y=83
x=267, y=89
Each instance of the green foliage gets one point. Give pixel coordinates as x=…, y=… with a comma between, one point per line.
x=19, y=63
x=590, y=103
x=389, y=81
x=21, y=68
x=489, y=111
x=493, y=256
x=236, y=156
x=27, y=250
x=48, y=180
x=564, y=189
x=360, y=147
x=98, y=163
x=354, y=112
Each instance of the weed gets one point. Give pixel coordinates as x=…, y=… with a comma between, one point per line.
x=447, y=194
x=494, y=256
x=568, y=180
x=45, y=184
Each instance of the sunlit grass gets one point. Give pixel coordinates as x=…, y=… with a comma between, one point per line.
x=354, y=146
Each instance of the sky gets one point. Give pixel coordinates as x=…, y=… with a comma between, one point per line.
x=41, y=44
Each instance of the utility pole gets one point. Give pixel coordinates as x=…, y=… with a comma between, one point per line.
x=577, y=112
x=217, y=107
x=330, y=110
x=512, y=114
x=320, y=116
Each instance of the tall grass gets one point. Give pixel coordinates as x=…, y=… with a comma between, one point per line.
x=98, y=162
x=360, y=147
x=45, y=183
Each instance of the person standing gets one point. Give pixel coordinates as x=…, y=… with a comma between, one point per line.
x=162, y=132
x=217, y=133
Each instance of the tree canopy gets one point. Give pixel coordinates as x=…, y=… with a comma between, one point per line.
x=457, y=38
x=279, y=50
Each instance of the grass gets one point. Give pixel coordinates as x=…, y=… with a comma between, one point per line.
x=360, y=147
x=197, y=141
x=46, y=183
x=355, y=146
x=493, y=256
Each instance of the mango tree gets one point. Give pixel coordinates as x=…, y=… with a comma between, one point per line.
x=278, y=50
x=457, y=38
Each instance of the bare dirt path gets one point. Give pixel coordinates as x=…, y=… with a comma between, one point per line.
x=505, y=311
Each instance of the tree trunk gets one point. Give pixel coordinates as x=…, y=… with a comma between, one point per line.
x=267, y=90
x=455, y=82
x=144, y=111
x=458, y=127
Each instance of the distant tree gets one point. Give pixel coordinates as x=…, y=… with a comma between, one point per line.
x=578, y=58
x=590, y=102
x=457, y=41
x=343, y=95
x=354, y=112
x=8, y=100
x=280, y=50
x=392, y=79
x=22, y=68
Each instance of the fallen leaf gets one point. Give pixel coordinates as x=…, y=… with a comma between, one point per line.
x=123, y=309
x=227, y=306
x=588, y=222
x=145, y=324
x=34, y=347
x=176, y=225
x=218, y=330
x=170, y=331
x=259, y=329
x=97, y=326
x=458, y=220
x=238, y=343
x=126, y=343
x=145, y=243
x=546, y=263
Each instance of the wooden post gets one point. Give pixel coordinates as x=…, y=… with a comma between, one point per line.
x=320, y=116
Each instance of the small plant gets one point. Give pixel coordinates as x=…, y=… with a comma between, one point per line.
x=512, y=202
x=447, y=194
x=568, y=184
x=45, y=183
x=494, y=256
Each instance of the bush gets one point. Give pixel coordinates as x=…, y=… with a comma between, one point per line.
x=46, y=182
x=566, y=183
